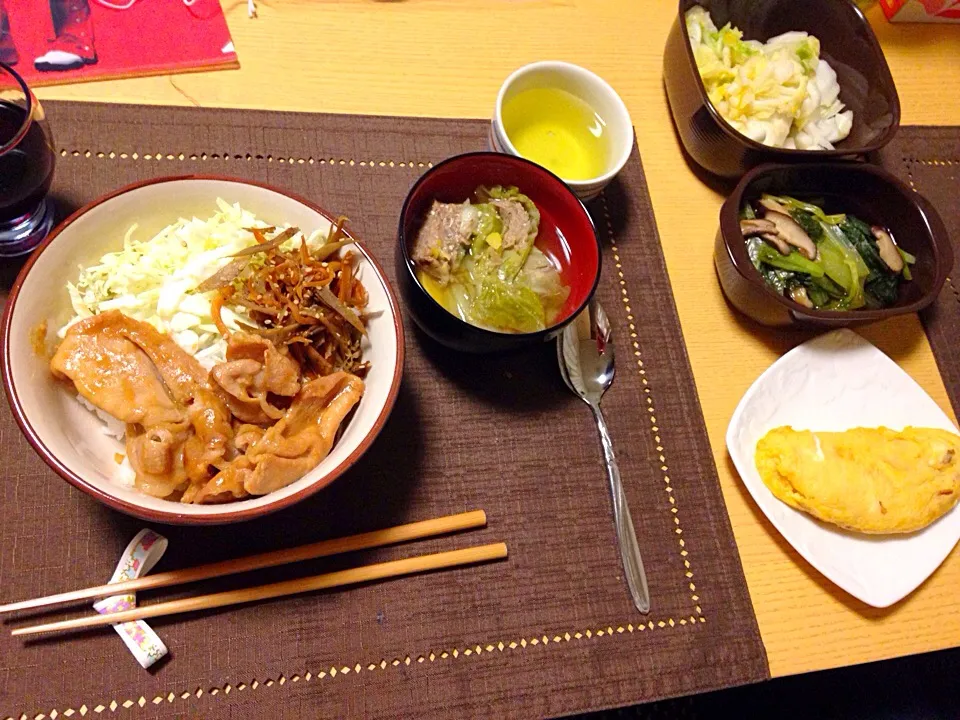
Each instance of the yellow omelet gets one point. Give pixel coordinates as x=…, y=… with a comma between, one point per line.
x=874, y=480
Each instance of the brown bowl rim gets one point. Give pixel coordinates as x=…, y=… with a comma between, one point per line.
x=736, y=249
x=174, y=518
x=403, y=240
x=885, y=137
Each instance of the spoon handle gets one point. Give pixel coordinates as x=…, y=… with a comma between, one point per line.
x=626, y=535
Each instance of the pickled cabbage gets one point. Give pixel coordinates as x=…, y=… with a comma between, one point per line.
x=779, y=93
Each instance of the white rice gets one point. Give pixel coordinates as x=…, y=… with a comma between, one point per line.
x=111, y=427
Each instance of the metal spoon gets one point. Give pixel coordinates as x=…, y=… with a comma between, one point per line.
x=585, y=353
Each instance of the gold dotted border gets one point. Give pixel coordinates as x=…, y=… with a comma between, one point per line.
x=334, y=671
x=654, y=429
x=907, y=161
x=246, y=157
x=941, y=163
x=455, y=653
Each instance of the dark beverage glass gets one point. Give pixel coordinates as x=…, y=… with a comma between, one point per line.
x=26, y=167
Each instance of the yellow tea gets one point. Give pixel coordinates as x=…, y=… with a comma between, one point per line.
x=558, y=130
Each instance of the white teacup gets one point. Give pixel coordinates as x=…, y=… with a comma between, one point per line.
x=590, y=88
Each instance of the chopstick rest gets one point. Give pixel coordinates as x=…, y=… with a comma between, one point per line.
x=139, y=557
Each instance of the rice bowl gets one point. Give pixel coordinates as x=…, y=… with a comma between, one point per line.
x=74, y=441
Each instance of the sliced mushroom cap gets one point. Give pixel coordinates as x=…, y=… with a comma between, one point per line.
x=789, y=230
x=778, y=242
x=756, y=226
x=798, y=293
x=888, y=249
x=774, y=206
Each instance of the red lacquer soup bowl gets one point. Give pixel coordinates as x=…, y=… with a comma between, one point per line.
x=567, y=236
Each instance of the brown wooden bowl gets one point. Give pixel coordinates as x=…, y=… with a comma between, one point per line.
x=869, y=192
x=847, y=43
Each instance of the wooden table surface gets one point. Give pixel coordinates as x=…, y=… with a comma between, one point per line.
x=448, y=58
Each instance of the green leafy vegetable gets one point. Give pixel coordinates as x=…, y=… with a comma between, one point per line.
x=783, y=280
x=753, y=251
x=512, y=264
x=542, y=277
x=860, y=236
x=843, y=265
x=809, y=223
x=793, y=204
x=882, y=291
x=775, y=277
x=818, y=296
x=833, y=263
x=489, y=222
x=829, y=287
x=908, y=260
x=795, y=262
x=833, y=234
x=848, y=272
x=507, y=305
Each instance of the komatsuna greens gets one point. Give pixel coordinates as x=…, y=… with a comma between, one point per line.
x=823, y=261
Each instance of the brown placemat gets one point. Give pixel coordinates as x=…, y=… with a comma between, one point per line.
x=550, y=631
x=928, y=158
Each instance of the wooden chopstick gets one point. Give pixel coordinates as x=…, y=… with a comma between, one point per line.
x=324, y=548
x=352, y=576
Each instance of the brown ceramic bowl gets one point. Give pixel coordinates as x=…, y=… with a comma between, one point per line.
x=846, y=42
x=72, y=440
x=873, y=195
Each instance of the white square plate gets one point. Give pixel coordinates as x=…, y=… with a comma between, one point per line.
x=831, y=383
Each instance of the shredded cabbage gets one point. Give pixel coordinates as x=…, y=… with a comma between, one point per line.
x=153, y=280
x=780, y=93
